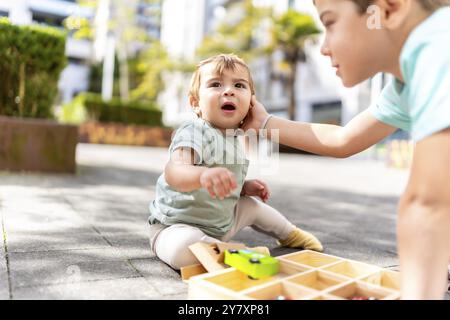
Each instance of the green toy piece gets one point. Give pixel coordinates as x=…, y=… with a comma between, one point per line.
x=253, y=264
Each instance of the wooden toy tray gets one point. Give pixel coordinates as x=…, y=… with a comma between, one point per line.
x=304, y=275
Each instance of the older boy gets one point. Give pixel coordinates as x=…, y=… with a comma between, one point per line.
x=411, y=43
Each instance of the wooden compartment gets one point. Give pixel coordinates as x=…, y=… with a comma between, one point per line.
x=280, y=290
x=351, y=269
x=385, y=278
x=310, y=258
x=227, y=283
x=317, y=280
x=357, y=289
x=307, y=275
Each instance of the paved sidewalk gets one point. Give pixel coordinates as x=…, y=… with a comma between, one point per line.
x=84, y=236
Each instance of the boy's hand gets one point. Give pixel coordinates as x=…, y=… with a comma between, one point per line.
x=255, y=117
x=219, y=182
x=256, y=188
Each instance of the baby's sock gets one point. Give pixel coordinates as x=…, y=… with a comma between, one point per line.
x=301, y=239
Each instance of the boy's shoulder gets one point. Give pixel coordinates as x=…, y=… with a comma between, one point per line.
x=433, y=33
x=427, y=45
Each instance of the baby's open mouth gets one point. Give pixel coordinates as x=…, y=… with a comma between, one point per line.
x=228, y=107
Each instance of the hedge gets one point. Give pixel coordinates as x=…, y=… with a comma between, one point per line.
x=31, y=59
x=91, y=107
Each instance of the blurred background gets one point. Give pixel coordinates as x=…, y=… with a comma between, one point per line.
x=127, y=65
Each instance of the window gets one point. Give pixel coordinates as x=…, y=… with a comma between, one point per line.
x=48, y=19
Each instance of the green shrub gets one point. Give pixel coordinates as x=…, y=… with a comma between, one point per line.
x=91, y=107
x=31, y=59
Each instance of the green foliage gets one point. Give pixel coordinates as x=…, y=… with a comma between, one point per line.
x=31, y=59
x=91, y=107
x=96, y=77
x=146, y=72
x=74, y=112
x=290, y=30
x=237, y=36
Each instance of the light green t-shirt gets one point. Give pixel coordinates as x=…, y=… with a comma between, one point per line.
x=197, y=208
x=421, y=105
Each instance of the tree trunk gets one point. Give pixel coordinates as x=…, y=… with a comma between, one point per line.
x=291, y=89
x=123, y=72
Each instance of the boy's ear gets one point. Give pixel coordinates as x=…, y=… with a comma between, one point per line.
x=393, y=12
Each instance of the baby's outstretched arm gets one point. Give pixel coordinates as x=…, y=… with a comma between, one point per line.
x=325, y=139
x=182, y=175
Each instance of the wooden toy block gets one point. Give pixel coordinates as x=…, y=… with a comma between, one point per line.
x=255, y=265
x=211, y=255
x=304, y=275
x=192, y=270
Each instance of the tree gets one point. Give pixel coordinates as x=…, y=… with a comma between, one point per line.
x=237, y=35
x=289, y=33
x=146, y=72
x=123, y=25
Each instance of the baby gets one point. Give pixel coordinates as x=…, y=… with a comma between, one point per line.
x=202, y=195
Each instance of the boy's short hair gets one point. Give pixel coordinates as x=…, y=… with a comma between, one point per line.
x=222, y=62
x=430, y=5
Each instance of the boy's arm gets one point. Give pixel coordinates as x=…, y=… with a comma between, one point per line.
x=182, y=175
x=424, y=220
x=360, y=133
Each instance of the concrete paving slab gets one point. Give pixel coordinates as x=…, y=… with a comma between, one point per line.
x=132, y=245
x=120, y=289
x=367, y=254
x=4, y=285
x=26, y=273
x=161, y=276
x=65, y=239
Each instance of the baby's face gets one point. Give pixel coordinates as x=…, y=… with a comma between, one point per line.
x=224, y=100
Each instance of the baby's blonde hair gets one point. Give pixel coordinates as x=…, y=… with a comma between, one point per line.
x=430, y=5
x=222, y=62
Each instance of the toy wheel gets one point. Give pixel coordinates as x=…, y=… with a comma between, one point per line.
x=254, y=260
x=232, y=251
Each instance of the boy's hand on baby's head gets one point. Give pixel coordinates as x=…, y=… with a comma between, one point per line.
x=219, y=182
x=255, y=117
x=256, y=188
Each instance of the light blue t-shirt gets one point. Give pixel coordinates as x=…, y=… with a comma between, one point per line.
x=197, y=208
x=421, y=105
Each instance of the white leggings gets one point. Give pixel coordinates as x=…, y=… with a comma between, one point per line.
x=171, y=243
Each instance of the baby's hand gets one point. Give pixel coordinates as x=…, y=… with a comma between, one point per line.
x=219, y=182
x=256, y=188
